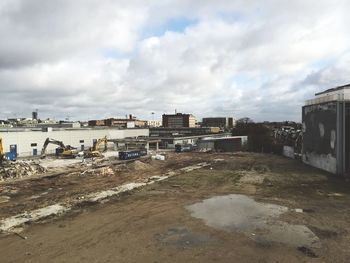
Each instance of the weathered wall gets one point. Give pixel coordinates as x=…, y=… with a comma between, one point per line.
x=228, y=145
x=288, y=151
x=347, y=139
x=326, y=162
x=319, y=136
x=206, y=145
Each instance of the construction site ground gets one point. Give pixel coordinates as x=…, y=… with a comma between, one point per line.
x=155, y=224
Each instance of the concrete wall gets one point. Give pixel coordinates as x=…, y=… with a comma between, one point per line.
x=228, y=145
x=320, y=136
x=25, y=139
x=206, y=145
x=347, y=139
x=181, y=141
x=288, y=151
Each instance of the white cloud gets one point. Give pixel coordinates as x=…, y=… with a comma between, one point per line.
x=87, y=59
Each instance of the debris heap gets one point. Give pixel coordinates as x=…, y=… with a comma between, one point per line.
x=139, y=166
x=19, y=169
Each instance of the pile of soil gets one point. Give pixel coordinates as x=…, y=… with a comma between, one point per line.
x=140, y=166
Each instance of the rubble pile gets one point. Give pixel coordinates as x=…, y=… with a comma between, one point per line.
x=139, y=166
x=19, y=169
x=104, y=171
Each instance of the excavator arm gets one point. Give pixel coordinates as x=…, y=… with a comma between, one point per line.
x=1, y=151
x=94, y=151
x=67, y=151
x=51, y=141
x=97, y=144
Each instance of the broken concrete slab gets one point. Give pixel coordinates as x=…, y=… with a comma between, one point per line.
x=8, y=223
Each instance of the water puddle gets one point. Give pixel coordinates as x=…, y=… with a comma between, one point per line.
x=182, y=237
x=259, y=221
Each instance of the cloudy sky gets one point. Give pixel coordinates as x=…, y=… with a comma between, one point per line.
x=91, y=59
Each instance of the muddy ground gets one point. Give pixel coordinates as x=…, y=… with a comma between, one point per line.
x=153, y=224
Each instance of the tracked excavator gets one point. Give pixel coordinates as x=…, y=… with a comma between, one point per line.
x=2, y=154
x=94, y=151
x=64, y=151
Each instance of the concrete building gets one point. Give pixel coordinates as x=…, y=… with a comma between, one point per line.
x=222, y=122
x=326, y=131
x=169, y=142
x=30, y=141
x=178, y=120
x=154, y=123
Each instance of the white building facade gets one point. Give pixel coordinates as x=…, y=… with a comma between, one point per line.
x=30, y=142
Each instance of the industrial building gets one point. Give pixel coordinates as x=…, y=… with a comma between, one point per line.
x=171, y=136
x=178, y=120
x=28, y=142
x=222, y=144
x=326, y=131
x=166, y=132
x=169, y=142
x=222, y=122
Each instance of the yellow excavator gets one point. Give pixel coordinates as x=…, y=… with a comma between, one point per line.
x=64, y=151
x=94, y=151
x=2, y=154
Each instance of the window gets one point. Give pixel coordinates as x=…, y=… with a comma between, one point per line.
x=81, y=141
x=33, y=144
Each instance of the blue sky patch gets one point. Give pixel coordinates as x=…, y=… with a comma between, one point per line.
x=245, y=81
x=178, y=24
x=323, y=63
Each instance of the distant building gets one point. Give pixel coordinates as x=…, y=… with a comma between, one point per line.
x=35, y=115
x=154, y=123
x=326, y=131
x=5, y=123
x=140, y=123
x=178, y=120
x=130, y=122
x=222, y=122
x=93, y=123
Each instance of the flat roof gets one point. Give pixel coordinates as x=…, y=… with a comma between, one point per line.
x=225, y=138
x=217, y=135
x=347, y=86
x=144, y=140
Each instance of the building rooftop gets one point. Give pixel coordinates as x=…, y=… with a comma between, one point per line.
x=339, y=93
x=347, y=86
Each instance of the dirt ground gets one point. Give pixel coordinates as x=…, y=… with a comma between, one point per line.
x=152, y=224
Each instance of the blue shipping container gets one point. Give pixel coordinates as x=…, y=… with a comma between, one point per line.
x=127, y=155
